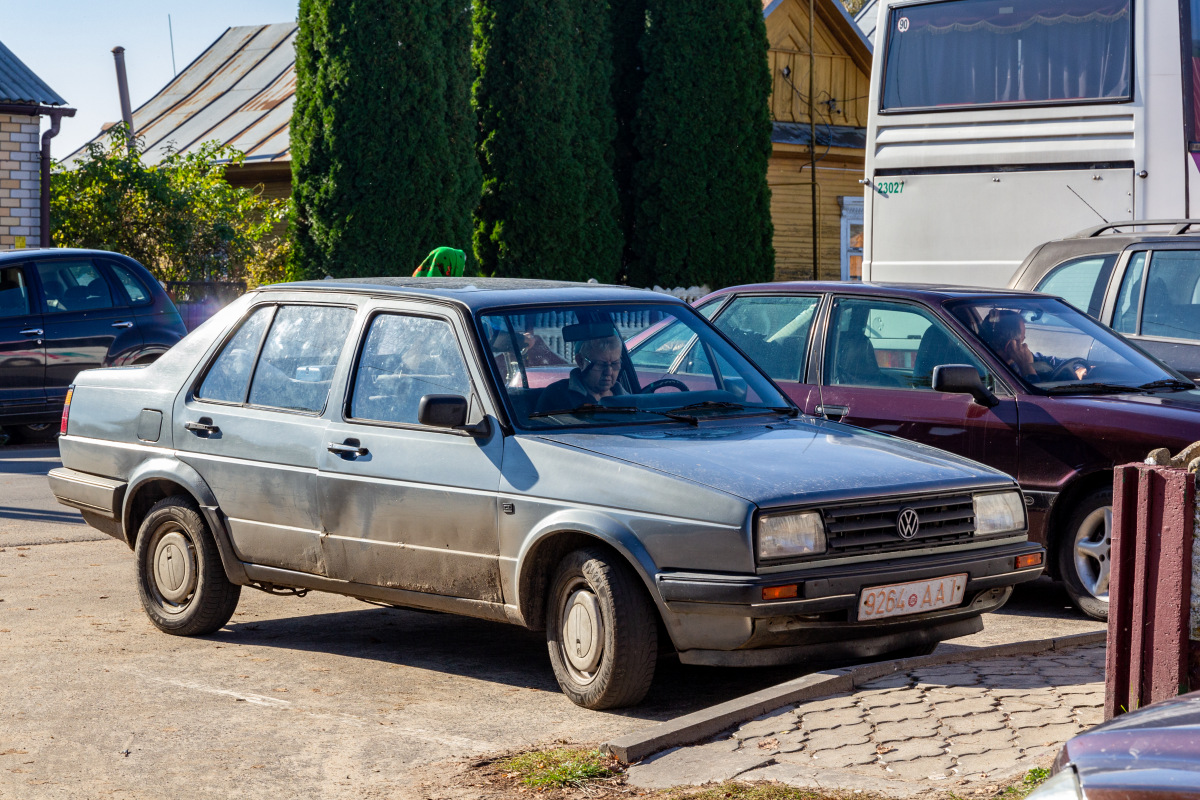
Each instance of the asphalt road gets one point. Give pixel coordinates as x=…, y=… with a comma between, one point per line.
x=322, y=696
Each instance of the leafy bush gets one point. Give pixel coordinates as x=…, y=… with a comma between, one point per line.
x=179, y=217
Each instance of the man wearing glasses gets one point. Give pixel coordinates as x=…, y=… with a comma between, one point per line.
x=595, y=377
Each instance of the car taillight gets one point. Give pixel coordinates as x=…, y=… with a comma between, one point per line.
x=62, y=429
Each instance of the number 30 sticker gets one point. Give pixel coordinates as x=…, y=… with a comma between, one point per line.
x=902, y=24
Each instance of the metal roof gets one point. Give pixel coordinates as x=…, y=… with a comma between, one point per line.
x=239, y=91
x=18, y=84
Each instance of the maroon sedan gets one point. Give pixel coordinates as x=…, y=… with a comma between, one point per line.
x=1019, y=381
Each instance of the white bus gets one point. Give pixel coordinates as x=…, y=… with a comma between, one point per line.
x=996, y=125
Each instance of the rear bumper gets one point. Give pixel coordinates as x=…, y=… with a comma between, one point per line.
x=92, y=493
x=710, y=615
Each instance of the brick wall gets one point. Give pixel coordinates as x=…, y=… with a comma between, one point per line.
x=20, y=151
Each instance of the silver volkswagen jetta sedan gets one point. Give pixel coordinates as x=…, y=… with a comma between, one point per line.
x=487, y=447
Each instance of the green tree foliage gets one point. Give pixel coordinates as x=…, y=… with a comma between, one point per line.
x=180, y=217
x=543, y=100
x=628, y=25
x=382, y=135
x=703, y=135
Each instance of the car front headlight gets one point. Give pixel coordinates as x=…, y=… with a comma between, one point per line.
x=1063, y=786
x=784, y=535
x=997, y=513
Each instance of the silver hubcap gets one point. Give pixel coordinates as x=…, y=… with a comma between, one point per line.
x=174, y=567
x=1093, y=541
x=582, y=634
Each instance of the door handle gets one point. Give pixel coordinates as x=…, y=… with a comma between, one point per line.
x=122, y=324
x=833, y=412
x=350, y=449
x=202, y=427
x=32, y=332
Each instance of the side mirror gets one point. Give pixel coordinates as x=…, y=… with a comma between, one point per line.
x=448, y=411
x=963, y=379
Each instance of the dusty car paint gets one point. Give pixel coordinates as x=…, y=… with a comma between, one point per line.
x=472, y=521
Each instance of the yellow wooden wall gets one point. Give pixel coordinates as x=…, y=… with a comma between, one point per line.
x=791, y=210
x=842, y=74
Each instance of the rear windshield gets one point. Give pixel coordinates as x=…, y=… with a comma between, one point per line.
x=999, y=52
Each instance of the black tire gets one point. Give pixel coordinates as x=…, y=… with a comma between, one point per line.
x=181, y=581
x=600, y=589
x=33, y=432
x=1082, y=550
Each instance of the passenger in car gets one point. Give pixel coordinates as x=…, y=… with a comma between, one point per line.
x=596, y=376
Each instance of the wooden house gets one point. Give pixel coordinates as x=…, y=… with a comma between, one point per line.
x=839, y=60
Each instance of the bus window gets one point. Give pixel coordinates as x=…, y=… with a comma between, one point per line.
x=973, y=53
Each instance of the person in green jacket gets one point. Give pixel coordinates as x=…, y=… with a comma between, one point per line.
x=443, y=262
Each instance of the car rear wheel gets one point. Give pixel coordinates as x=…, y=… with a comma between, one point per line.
x=1083, y=554
x=181, y=582
x=601, y=631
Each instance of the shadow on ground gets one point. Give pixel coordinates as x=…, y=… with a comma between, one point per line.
x=506, y=654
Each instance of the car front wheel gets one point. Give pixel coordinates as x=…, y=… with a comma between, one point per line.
x=1084, y=554
x=601, y=630
x=181, y=582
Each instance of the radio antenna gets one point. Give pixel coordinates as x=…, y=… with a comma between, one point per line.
x=171, y=34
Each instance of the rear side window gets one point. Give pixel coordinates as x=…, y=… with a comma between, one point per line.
x=75, y=285
x=299, y=356
x=773, y=331
x=14, y=293
x=1080, y=282
x=229, y=377
x=133, y=287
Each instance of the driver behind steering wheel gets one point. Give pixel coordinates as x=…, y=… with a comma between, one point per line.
x=1004, y=332
x=599, y=362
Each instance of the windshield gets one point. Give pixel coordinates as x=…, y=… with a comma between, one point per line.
x=1058, y=349
x=1004, y=52
x=572, y=365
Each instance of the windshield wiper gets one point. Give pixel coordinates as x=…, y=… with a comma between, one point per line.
x=1081, y=388
x=725, y=405
x=596, y=408
x=1174, y=384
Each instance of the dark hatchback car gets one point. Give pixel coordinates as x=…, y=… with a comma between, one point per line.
x=869, y=355
x=63, y=311
x=1145, y=284
x=1153, y=752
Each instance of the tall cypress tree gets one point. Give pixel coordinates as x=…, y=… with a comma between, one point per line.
x=628, y=26
x=542, y=96
x=703, y=137
x=382, y=136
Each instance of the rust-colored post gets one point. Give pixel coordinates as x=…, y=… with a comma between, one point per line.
x=1149, y=587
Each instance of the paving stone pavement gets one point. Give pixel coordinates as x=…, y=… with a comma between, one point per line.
x=954, y=728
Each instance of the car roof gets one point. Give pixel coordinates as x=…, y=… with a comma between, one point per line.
x=924, y=291
x=480, y=293
x=42, y=252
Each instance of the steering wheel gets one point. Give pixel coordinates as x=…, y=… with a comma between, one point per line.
x=1066, y=370
x=674, y=383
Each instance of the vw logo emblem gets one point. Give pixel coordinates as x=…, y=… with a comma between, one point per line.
x=907, y=523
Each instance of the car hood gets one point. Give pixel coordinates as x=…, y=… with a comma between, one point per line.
x=1156, y=748
x=1184, y=403
x=785, y=462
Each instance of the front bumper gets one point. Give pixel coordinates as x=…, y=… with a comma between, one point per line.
x=709, y=615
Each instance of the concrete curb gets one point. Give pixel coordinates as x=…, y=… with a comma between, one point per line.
x=700, y=725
